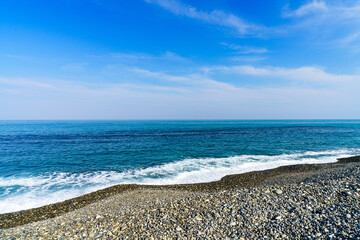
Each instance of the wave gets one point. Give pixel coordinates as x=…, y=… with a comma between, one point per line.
x=35, y=191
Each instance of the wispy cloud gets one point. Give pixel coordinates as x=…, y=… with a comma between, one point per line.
x=337, y=22
x=30, y=86
x=306, y=73
x=195, y=81
x=18, y=56
x=205, y=98
x=144, y=56
x=203, y=79
x=245, y=49
x=162, y=76
x=338, y=10
x=309, y=8
x=141, y=57
x=246, y=53
x=74, y=67
x=247, y=59
x=349, y=40
x=195, y=95
x=24, y=82
x=217, y=17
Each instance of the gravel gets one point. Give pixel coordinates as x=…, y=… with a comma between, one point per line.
x=323, y=205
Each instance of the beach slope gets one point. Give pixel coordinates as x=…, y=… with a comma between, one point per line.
x=310, y=200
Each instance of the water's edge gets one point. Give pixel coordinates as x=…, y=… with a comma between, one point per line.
x=47, y=162
x=250, y=179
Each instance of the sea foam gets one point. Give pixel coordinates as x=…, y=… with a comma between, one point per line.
x=35, y=191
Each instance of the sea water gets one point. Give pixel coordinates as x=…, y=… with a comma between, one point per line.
x=43, y=162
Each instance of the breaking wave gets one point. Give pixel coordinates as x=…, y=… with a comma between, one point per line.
x=34, y=191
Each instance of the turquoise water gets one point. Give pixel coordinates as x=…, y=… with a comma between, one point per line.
x=43, y=162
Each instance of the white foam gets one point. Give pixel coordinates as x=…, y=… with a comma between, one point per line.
x=55, y=187
x=212, y=169
x=34, y=199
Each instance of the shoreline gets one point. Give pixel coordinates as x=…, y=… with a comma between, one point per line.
x=278, y=176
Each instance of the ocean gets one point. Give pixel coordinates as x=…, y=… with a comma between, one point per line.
x=43, y=162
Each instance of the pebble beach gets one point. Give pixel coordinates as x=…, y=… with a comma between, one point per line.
x=319, y=201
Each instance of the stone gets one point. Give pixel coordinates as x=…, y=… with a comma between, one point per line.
x=278, y=191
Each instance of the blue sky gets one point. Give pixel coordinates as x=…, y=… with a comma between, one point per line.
x=172, y=59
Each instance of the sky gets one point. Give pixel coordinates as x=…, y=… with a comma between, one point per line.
x=179, y=59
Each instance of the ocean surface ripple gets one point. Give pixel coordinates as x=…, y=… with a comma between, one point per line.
x=43, y=162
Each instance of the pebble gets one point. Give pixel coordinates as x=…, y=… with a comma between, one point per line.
x=278, y=191
x=317, y=208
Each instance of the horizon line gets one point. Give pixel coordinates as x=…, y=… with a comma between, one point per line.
x=179, y=119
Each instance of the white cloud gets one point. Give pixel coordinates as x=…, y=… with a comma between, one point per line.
x=349, y=39
x=152, y=88
x=170, y=56
x=306, y=73
x=246, y=53
x=19, y=57
x=24, y=82
x=312, y=7
x=247, y=59
x=193, y=81
x=161, y=75
x=331, y=20
x=329, y=23
x=245, y=49
x=203, y=79
x=32, y=87
x=195, y=96
x=331, y=10
x=216, y=16
x=74, y=67
x=212, y=100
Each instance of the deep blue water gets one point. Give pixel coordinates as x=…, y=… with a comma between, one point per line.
x=43, y=162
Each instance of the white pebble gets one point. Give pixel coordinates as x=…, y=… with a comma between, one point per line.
x=279, y=191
